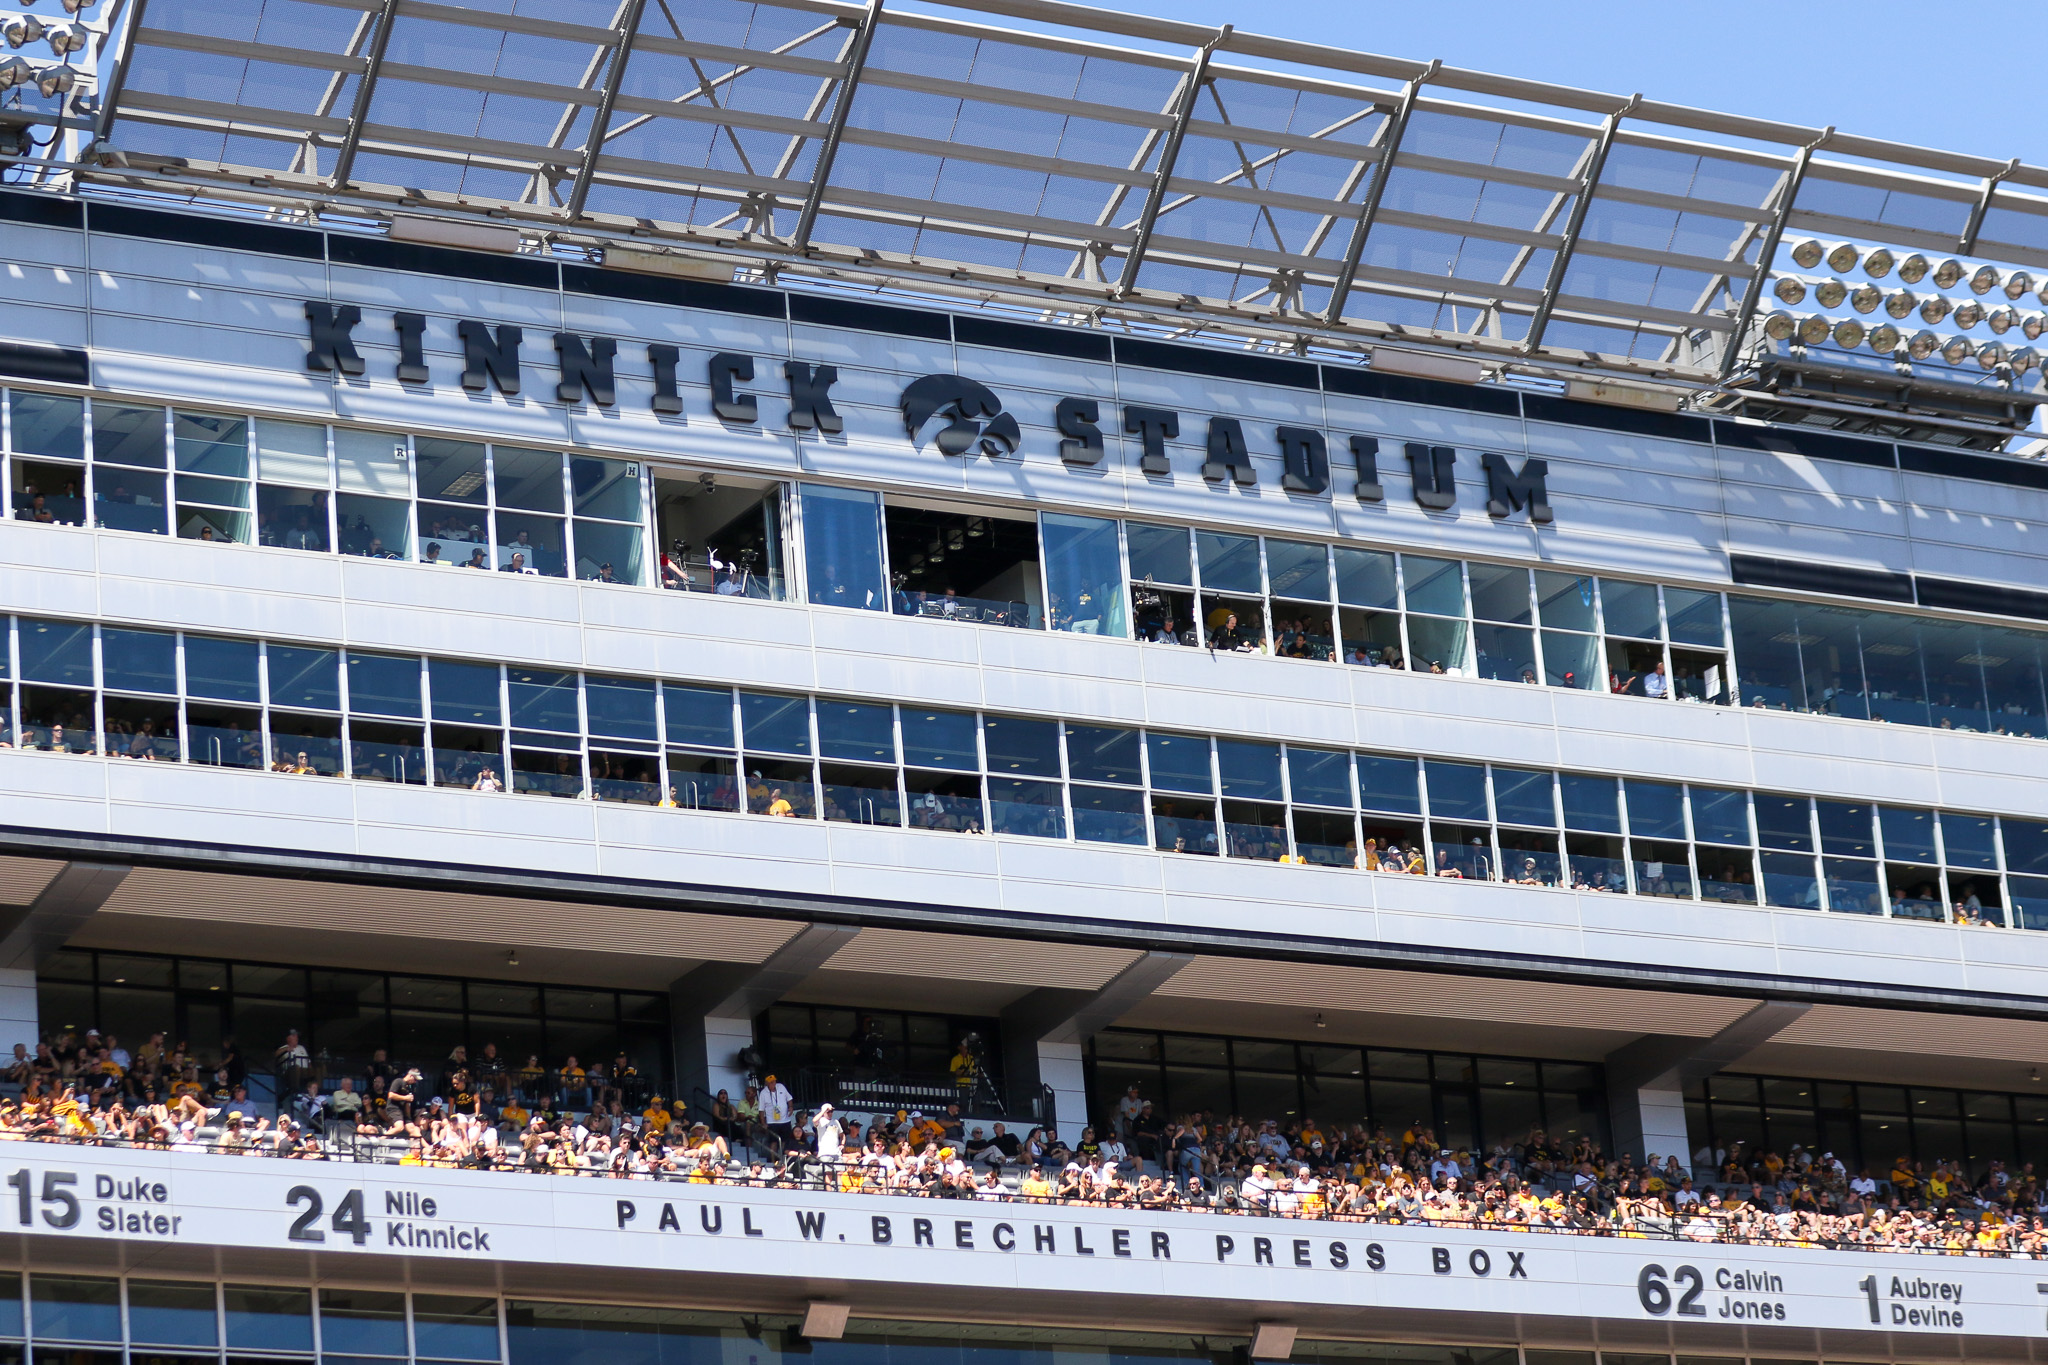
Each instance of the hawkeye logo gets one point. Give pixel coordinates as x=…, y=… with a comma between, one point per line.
x=978, y=423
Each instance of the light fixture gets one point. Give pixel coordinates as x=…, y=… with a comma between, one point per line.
x=1884, y=338
x=1879, y=263
x=1957, y=349
x=2024, y=359
x=56, y=80
x=15, y=70
x=1849, y=334
x=1913, y=269
x=1814, y=329
x=1991, y=355
x=21, y=29
x=1948, y=274
x=1901, y=303
x=1933, y=309
x=1968, y=314
x=1923, y=345
x=2002, y=320
x=1865, y=298
x=1807, y=254
x=1790, y=289
x=2032, y=325
x=1984, y=280
x=1780, y=326
x=66, y=38
x=1841, y=257
x=2017, y=284
x=512, y=958
x=1830, y=293
x=1319, y=1020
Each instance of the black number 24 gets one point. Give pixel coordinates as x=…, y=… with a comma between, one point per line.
x=348, y=1217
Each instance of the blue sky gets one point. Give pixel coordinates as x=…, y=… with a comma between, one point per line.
x=1803, y=63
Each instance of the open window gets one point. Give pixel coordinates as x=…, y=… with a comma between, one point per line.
x=959, y=566
x=1162, y=575
x=721, y=534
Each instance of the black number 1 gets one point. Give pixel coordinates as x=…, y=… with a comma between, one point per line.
x=1868, y=1284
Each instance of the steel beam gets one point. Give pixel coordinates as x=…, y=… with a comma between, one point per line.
x=345, y=160
x=600, y=122
x=1397, y=126
x=1574, y=224
x=110, y=90
x=828, y=151
x=1794, y=178
x=1967, y=244
x=1168, y=154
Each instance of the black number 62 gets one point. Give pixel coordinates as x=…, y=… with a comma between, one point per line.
x=1655, y=1294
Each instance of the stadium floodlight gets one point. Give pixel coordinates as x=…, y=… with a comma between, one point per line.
x=1984, y=280
x=1830, y=293
x=1933, y=309
x=1814, y=329
x=15, y=70
x=2017, y=284
x=1808, y=253
x=1923, y=345
x=1948, y=274
x=21, y=29
x=1901, y=303
x=67, y=38
x=1779, y=326
x=2032, y=325
x=1841, y=257
x=1913, y=269
x=56, y=80
x=2024, y=359
x=2002, y=320
x=1879, y=263
x=1968, y=314
x=1790, y=289
x=1990, y=355
x=1865, y=298
x=1956, y=350
x=1849, y=334
x=1884, y=338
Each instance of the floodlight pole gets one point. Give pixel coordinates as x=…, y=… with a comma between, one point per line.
x=1574, y=225
x=345, y=162
x=1966, y=245
x=1198, y=74
x=600, y=122
x=1747, y=313
x=828, y=151
x=1375, y=192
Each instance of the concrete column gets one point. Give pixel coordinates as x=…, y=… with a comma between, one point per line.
x=712, y=1009
x=1044, y=1032
x=18, y=1018
x=1650, y=1120
x=1646, y=1080
x=30, y=934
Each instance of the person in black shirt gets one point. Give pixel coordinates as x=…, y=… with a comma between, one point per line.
x=1147, y=1131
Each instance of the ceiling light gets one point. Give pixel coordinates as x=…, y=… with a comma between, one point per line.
x=21, y=29
x=1849, y=334
x=1790, y=289
x=1948, y=274
x=1913, y=269
x=2017, y=284
x=1879, y=263
x=1901, y=303
x=1780, y=326
x=1865, y=298
x=1841, y=258
x=67, y=38
x=1808, y=253
x=1830, y=293
x=1990, y=355
x=1813, y=329
x=2002, y=320
x=1923, y=345
x=1884, y=338
x=1984, y=280
x=1957, y=349
x=1933, y=309
x=1968, y=314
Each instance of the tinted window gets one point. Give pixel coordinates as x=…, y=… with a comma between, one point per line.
x=1656, y=810
x=1908, y=834
x=1021, y=747
x=466, y=693
x=1523, y=798
x=542, y=700
x=939, y=739
x=1720, y=817
x=697, y=715
x=1591, y=804
x=1249, y=771
x=1179, y=762
x=1457, y=791
x=859, y=731
x=139, y=660
x=1319, y=777
x=1097, y=753
x=1389, y=784
x=622, y=708
x=305, y=677
x=775, y=724
x=383, y=685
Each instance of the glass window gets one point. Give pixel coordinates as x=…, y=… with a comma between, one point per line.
x=699, y=716
x=305, y=677
x=362, y=1322
x=446, y=1327
x=1298, y=570
x=263, y=1318
x=206, y=443
x=1565, y=601
x=1179, y=762
x=1229, y=563
x=1522, y=797
x=1720, y=816
x=373, y=463
x=449, y=471
x=530, y=480
x=1656, y=810
x=1249, y=771
x=75, y=1308
x=543, y=700
x=2026, y=845
x=859, y=731
x=605, y=488
x=466, y=694
x=1789, y=880
x=1097, y=753
x=1022, y=806
x=1572, y=661
x=1782, y=822
x=1967, y=840
x=49, y=424
x=843, y=547
x=293, y=453
x=620, y=708
x=1159, y=554
x=1457, y=791
x=56, y=652
x=1084, y=578
x=1630, y=609
x=939, y=739
x=1366, y=578
x=1695, y=618
x=1845, y=828
x=775, y=724
x=169, y=1313
x=383, y=685
x=1500, y=593
x=139, y=660
x=1319, y=777
x=1389, y=784
x=1908, y=834
x=1108, y=815
x=121, y=434
x=1020, y=747
x=1436, y=586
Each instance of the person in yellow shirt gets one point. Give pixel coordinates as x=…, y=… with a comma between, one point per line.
x=656, y=1114
x=778, y=804
x=514, y=1115
x=1036, y=1187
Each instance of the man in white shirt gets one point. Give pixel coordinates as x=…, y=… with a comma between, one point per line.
x=1256, y=1190
x=775, y=1108
x=830, y=1137
x=1863, y=1186
x=1445, y=1168
x=1655, y=684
